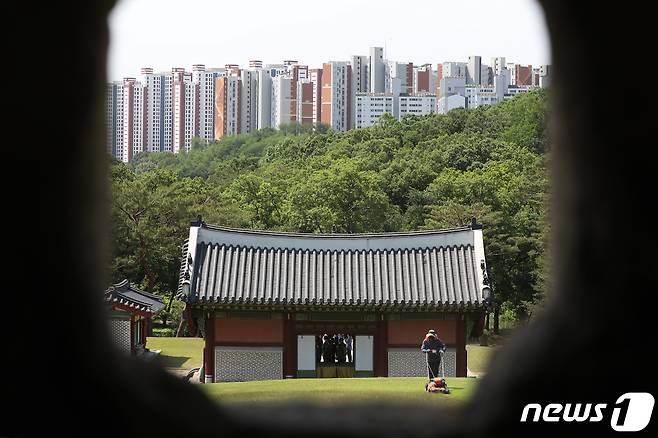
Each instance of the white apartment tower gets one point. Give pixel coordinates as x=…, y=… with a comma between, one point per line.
x=152, y=109
x=454, y=70
x=360, y=73
x=498, y=65
x=204, y=80
x=281, y=101
x=249, y=104
x=474, y=70
x=398, y=77
x=184, y=112
x=377, y=70
x=264, y=97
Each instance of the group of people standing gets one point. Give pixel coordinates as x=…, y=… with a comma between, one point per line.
x=333, y=349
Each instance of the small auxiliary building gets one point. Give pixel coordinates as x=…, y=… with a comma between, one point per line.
x=262, y=298
x=130, y=312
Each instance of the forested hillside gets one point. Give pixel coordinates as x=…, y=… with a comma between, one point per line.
x=428, y=172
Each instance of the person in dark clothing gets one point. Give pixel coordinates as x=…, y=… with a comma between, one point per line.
x=328, y=351
x=341, y=350
x=432, y=347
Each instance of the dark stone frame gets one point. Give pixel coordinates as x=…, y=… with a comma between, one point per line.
x=601, y=306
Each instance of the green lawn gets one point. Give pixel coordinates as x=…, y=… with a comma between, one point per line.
x=478, y=357
x=177, y=353
x=391, y=389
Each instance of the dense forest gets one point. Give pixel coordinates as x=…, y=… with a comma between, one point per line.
x=429, y=172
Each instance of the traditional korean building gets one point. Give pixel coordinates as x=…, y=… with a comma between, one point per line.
x=130, y=312
x=260, y=298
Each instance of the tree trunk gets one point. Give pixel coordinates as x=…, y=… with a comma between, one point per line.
x=144, y=262
x=496, y=328
x=180, y=331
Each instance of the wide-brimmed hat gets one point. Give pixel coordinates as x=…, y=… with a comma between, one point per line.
x=430, y=333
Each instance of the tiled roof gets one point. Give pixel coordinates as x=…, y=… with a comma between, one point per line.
x=126, y=295
x=442, y=269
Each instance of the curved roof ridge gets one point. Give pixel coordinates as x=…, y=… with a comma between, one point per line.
x=124, y=291
x=332, y=235
x=125, y=285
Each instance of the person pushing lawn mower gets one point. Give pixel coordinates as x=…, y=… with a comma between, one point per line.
x=434, y=348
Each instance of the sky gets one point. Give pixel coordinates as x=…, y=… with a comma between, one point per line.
x=171, y=33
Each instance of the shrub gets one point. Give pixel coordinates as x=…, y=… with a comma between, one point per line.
x=163, y=332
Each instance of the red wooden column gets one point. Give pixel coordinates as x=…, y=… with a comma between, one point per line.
x=209, y=350
x=461, y=370
x=132, y=334
x=380, y=367
x=289, y=347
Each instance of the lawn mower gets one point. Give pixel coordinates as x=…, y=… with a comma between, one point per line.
x=437, y=384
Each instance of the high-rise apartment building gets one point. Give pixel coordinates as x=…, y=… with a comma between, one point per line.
x=132, y=120
x=498, y=65
x=454, y=70
x=398, y=77
x=227, y=106
x=424, y=79
x=305, y=103
x=377, y=70
x=449, y=70
x=277, y=69
x=299, y=74
x=281, y=101
x=523, y=75
x=249, y=104
x=204, y=80
x=114, y=117
x=183, y=97
x=545, y=76
x=520, y=74
x=152, y=84
x=474, y=70
x=264, y=101
x=315, y=76
x=337, y=95
x=360, y=73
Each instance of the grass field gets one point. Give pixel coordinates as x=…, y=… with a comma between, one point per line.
x=177, y=353
x=186, y=353
x=391, y=390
